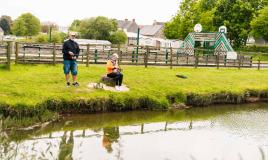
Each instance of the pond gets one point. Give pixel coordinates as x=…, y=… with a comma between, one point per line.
x=220, y=132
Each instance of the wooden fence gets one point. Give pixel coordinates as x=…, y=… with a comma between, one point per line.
x=33, y=53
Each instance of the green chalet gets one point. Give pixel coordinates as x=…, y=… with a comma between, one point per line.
x=215, y=43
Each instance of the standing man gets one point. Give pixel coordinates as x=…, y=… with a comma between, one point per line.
x=70, y=52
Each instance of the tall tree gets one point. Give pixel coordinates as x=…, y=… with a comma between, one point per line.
x=31, y=25
x=5, y=24
x=236, y=15
x=19, y=28
x=259, y=25
x=97, y=28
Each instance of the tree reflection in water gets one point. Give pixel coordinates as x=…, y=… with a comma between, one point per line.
x=66, y=147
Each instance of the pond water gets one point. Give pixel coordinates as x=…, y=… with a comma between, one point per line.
x=219, y=132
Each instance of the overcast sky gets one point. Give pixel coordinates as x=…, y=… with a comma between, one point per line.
x=63, y=12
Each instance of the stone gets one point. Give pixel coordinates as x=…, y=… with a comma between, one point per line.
x=107, y=80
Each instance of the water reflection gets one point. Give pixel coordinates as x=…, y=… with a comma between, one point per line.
x=110, y=136
x=66, y=146
x=204, y=133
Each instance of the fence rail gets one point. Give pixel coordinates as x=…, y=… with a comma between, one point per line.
x=131, y=55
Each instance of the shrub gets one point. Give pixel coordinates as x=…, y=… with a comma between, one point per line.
x=41, y=38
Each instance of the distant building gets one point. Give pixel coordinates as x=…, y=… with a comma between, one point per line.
x=256, y=41
x=156, y=30
x=129, y=26
x=96, y=44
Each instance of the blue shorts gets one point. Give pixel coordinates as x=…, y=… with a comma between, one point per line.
x=70, y=65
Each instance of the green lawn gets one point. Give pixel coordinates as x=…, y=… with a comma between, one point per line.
x=30, y=90
x=32, y=84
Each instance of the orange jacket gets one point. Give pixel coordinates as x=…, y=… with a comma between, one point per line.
x=109, y=66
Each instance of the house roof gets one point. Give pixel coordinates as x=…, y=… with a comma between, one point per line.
x=150, y=30
x=130, y=26
x=124, y=23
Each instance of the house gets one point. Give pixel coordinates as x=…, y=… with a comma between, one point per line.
x=156, y=30
x=129, y=26
x=256, y=41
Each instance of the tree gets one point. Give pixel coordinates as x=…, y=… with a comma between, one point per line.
x=75, y=25
x=29, y=24
x=5, y=24
x=236, y=15
x=184, y=21
x=118, y=37
x=259, y=25
x=97, y=28
x=172, y=29
x=19, y=27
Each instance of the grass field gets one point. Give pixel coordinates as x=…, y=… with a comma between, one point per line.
x=32, y=84
x=25, y=87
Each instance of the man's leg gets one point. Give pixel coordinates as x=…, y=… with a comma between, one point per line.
x=74, y=73
x=66, y=69
x=67, y=77
x=74, y=78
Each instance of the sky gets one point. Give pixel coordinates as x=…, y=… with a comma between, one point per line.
x=63, y=12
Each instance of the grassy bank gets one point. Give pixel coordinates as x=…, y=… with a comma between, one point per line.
x=32, y=90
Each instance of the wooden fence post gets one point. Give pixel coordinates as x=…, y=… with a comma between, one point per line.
x=96, y=56
x=206, y=59
x=196, y=60
x=251, y=62
x=171, y=58
x=166, y=56
x=9, y=44
x=16, y=52
x=259, y=63
x=239, y=61
x=54, y=53
x=24, y=52
x=146, y=54
x=177, y=56
x=187, y=59
x=218, y=60
x=88, y=52
x=137, y=55
x=156, y=55
x=39, y=54
x=133, y=56
x=225, y=60
x=119, y=52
